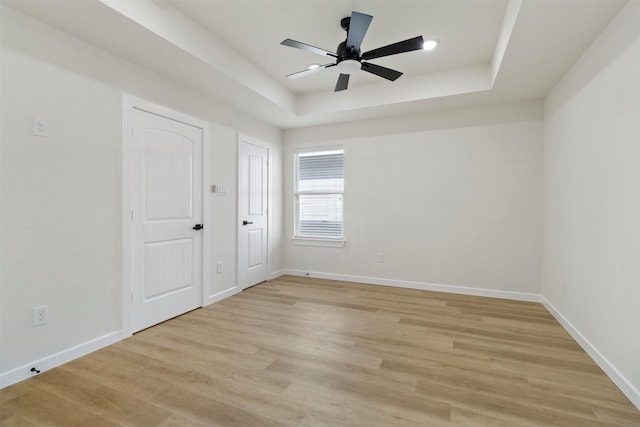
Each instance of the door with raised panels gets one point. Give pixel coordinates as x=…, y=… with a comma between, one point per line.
x=253, y=164
x=167, y=217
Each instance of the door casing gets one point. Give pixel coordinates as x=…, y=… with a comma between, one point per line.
x=129, y=103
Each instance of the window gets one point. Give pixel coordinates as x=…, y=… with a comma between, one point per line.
x=319, y=194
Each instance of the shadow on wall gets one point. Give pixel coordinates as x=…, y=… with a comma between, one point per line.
x=609, y=45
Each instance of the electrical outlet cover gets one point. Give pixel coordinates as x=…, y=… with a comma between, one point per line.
x=40, y=315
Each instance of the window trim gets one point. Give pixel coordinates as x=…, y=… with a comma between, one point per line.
x=336, y=242
x=326, y=243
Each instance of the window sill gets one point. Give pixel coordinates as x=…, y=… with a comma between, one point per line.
x=327, y=243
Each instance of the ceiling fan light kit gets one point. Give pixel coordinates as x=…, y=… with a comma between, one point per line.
x=348, y=57
x=348, y=66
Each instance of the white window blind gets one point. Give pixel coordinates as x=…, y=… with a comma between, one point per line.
x=319, y=194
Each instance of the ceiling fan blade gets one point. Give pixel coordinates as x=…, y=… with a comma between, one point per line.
x=415, y=43
x=358, y=27
x=308, y=71
x=308, y=48
x=343, y=82
x=387, y=73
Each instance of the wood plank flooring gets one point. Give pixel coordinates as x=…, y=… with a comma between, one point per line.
x=309, y=352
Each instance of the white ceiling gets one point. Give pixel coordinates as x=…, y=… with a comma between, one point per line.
x=467, y=31
x=489, y=51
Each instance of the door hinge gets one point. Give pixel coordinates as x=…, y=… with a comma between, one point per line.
x=131, y=214
x=131, y=297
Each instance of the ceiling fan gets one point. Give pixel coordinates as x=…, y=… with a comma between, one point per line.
x=348, y=57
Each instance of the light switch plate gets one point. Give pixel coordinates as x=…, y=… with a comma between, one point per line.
x=40, y=127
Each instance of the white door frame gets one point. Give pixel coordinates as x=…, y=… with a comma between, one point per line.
x=129, y=103
x=239, y=272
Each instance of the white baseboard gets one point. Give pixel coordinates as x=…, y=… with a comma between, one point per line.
x=49, y=362
x=612, y=372
x=276, y=274
x=222, y=295
x=46, y=363
x=492, y=293
x=616, y=376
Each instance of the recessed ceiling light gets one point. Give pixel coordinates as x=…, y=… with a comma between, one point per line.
x=313, y=66
x=429, y=44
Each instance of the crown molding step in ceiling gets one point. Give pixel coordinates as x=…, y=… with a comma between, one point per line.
x=232, y=51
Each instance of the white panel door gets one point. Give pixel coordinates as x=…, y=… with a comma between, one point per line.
x=167, y=201
x=253, y=213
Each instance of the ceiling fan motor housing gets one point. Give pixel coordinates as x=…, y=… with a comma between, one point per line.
x=348, y=61
x=344, y=52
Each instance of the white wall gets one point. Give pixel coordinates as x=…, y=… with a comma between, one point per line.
x=61, y=210
x=452, y=198
x=457, y=201
x=592, y=199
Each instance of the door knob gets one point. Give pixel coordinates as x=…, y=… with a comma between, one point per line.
x=198, y=227
x=245, y=222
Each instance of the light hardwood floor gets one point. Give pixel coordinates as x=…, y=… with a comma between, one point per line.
x=309, y=352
